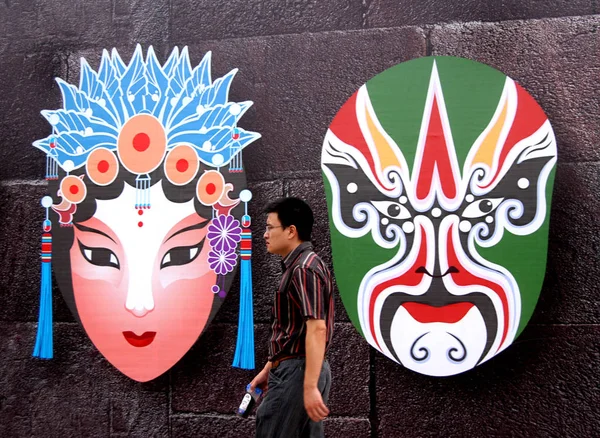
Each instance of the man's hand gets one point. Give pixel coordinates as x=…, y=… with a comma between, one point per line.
x=313, y=403
x=262, y=379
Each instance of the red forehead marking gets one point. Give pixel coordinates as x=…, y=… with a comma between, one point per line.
x=436, y=157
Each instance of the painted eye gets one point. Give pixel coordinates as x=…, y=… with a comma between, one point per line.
x=99, y=256
x=482, y=207
x=392, y=209
x=181, y=255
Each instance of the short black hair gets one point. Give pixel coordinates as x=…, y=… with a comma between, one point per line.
x=293, y=211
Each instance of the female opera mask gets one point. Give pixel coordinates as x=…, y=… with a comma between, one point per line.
x=147, y=184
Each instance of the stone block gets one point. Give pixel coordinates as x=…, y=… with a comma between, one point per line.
x=74, y=24
x=203, y=20
x=347, y=427
x=543, y=385
x=27, y=22
x=390, y=13
x=212, y=426
x=229, y=426
x=553, y=59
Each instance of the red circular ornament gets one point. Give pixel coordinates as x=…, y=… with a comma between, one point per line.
x=210, y=187
x=142, y=144
x=102, y=166
x=181, y=164
x=73, y=189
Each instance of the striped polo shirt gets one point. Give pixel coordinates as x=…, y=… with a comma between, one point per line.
x=305, y=292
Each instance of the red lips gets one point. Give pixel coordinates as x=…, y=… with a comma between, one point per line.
x=142, y=340
x=450, y=313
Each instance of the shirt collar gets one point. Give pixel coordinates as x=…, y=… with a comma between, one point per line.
x=289, y=259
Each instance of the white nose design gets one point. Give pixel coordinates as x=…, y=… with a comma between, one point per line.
x=139, y=291
x=141, y=310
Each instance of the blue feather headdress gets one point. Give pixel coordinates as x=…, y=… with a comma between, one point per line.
x=191, y=107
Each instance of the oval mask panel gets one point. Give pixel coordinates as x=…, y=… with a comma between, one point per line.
x=142, y=260
x=439, y=174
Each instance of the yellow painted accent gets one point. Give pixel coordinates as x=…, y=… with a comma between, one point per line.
x=387, y=157
x=485, y=153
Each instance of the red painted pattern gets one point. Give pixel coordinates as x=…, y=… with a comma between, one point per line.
x=529, y=117
x=466, y=278
x=451, y=313
x=409, y=278
x=436, y=155
x=345, y=127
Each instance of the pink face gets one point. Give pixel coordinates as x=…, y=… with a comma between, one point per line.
x=141, y=282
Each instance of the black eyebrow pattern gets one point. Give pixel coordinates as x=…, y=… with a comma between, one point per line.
x=91, y=230
x=198, y=226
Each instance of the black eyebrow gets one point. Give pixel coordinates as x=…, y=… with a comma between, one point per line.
x=198, y=226
x=91, y=230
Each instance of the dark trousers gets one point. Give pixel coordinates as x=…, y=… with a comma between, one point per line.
x=282, y=413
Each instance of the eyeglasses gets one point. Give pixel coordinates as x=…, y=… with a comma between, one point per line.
x=268, y=228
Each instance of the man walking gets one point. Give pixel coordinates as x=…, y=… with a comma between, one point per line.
x=297, y=375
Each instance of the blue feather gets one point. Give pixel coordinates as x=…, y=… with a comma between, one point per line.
x=191, y=107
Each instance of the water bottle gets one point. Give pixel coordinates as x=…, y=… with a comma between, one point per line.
x=249, y=400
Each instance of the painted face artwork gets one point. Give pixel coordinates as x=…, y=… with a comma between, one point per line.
x=148, y=187
x=438, y=174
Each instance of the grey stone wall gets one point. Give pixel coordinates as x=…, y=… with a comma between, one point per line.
x=299, y=61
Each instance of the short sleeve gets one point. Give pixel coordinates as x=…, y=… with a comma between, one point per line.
x=309, y=291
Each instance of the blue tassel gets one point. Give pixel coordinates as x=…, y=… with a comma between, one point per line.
x=244, y=349
x=43, y=343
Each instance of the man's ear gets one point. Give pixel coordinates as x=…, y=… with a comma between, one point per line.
x=293, y=231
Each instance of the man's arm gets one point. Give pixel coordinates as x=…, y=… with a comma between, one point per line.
x=316, y=338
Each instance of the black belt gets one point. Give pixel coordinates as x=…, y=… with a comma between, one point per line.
x=275, y=363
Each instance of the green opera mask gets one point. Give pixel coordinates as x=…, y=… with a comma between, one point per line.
x=439, y=175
